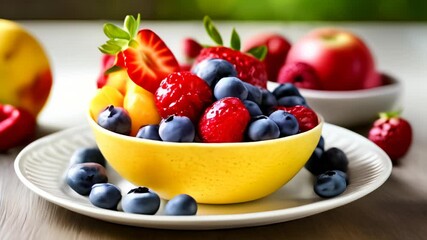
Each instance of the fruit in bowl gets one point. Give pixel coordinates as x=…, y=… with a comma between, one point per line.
x=199, y=143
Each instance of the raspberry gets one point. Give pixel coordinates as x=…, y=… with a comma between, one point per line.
x=183, y=94
x=307, y=118
x=224, y=121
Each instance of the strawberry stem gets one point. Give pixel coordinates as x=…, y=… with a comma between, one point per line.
x=388, y=115
x=212, y=30
x=235, y=40
x=258, y=52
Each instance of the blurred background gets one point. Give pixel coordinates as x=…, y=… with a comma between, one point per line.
x=275, y=10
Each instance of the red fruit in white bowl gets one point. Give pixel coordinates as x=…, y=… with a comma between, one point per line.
x=277, y=50
x=341, y=59
x=300, y=74
x=393, y=134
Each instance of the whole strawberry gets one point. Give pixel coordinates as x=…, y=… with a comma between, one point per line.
x=249, y=67
x=224, y=121
x=183, y=94
x=393, y=134
x=307, y=118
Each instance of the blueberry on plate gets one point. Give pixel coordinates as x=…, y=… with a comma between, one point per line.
x=330, y=184
x=150, y=131
x=141, y=200
x=177, y=129
x=334, y=159
x=115, y=119
x=105, y=195
x=314, y=165
x=87, y=154
x=230, y=87
x=81, y=177
x=287, y=123
x=321, y=143
x=263, y=128
x=253, y=108
x=182, y=204
x=212, y=70
x=285, y=90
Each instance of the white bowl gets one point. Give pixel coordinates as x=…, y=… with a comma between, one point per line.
x=353, y=108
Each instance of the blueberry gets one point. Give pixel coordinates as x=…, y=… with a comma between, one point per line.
x=330, y=184
x=212, y=70
x=331, y=159
x=291, y=101
x=313, y=164
x=142, y=201
x=253, y=108
x=321, y=143
x=285, y=90
x=263, y=128
x=81, y=177
x=268, y=101
x=182, y=204
x=84, y=154
x=177, y=129
x=115, y=119
x=286, y=122
x=149, y=132
x=230, y=87
x=254, y=93
x=334, y=159
x=105, y=195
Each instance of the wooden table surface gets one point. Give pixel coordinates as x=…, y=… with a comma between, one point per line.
x=397, y=210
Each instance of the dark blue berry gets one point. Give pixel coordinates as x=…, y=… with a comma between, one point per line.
x=286, y=122
x=83, y=155
x=268, y=101
x=212, y=70
x=149, y=132
x=253, y=108
x=115, y=119
x=230, y=87
x=182, y=204
x=81, y=177
x=314, y=165
x=291, y=101
x=331, y=159
x=321, y=143
x=285, y=90
x=330, y=184
x=105, y=195
x=263, y=128
x=254, y=93
x=141, y=201
x=177, y=129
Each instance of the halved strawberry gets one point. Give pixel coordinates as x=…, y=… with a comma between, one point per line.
x=150, y=61
x=143, y=53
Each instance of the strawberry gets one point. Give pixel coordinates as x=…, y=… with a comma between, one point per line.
x=224, y=121
x=191, y=48
x=307, y=118
x=146, y=57
x=183, y=94
x=393, y=134
x=249, y=67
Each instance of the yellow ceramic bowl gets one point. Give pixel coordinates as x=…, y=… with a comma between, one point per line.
x=214, y=173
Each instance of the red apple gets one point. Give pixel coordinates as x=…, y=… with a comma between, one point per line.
x=341, y=60
x=278, y=47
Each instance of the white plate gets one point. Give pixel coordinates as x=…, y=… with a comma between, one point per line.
x=41, y=167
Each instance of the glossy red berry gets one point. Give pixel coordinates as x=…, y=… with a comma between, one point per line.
x=224, y=121
x=393, y=134
x=307, y=118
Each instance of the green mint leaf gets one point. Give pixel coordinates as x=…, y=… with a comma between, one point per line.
x=212, y=30
x=112, y=32
x=109, y=49
x=112, y=69
x=258, y=52
x=235, y=40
